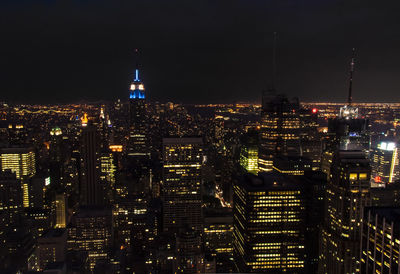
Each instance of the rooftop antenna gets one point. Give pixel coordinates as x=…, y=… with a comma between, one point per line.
x=350, y=98
x=137, y=65
x=273, y=61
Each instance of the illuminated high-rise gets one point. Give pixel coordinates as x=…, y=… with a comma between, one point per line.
x=280, y=129
x=385, y=164
x=61, y=210
x=268, y=224
x=380, y=240
x=182, y=183
x=138, y=144
x=347, y=193
x=22, y=162
x=249, y=152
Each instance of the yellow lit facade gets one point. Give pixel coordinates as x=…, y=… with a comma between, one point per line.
x=249, y=159
x=280, y=129
x=182, y=182
x=347, y=193
x=22, y=162
x=268, y=221
x=380, y=240
x=385, y=164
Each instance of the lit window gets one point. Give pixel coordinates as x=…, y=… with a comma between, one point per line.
x=362, y=176
x=353, y=176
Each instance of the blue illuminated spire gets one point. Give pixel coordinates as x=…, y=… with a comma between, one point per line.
x=137, y=87
x=137, y=76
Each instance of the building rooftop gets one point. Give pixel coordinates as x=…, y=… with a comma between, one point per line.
x=55, y=232
x=269, y=180
x=183, y=140
x=391, y=214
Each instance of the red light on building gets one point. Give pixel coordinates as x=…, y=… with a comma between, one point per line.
x=378, y=179
x=314, y=110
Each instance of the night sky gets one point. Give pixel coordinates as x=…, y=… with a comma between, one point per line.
x=198, y=51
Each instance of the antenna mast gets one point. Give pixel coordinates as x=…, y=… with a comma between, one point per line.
x=274, y=62
x=350, y=98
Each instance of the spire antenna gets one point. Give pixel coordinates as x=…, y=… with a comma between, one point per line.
x=274, y=61
x=137, y=65
x=350, y=98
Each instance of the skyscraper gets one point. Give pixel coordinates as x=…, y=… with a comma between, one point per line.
x=347, y=192
x=280, y=129
x=10, y=201
x=21, y=161
x=182, y=183
x=61, y=210
x=90, y=185
x=268, y=224
x=380, y=240
x=138, y=143
x=385, y=164
x=249, y=152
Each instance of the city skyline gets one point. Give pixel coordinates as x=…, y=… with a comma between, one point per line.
x=194, y=137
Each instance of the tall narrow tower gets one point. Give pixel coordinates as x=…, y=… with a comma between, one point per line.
x=137, y=118
x=90, y=188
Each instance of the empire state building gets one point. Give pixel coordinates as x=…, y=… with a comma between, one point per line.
x=137, y=119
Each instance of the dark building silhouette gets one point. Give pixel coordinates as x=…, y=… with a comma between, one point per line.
x=90, y=184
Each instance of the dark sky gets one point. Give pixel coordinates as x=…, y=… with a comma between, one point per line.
x=198, y=51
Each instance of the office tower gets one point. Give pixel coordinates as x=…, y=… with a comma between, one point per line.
x=90, y=185
x=61, y=210
x=189, y=255
x=91, y=231
x=217, y=237
x=380, y=240
x=268, y=224
x=107, y=174
x=347, y=192
x=280, y=129
x=52, y=247
x=37, y=188
x=182, y=182
x=11, y=207
x=57, y=155
x=249, y=152
x=138, y=143
x=22, y=162
x=385, y=164
x=218, y=133
x=310, y=139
